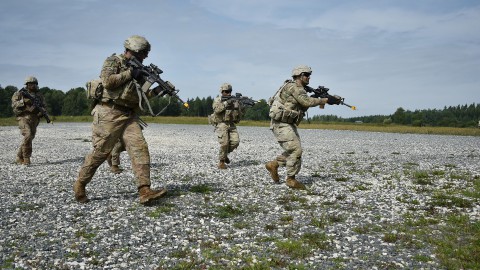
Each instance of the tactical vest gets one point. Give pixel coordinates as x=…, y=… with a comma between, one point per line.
x=283, y=108
x=230, y=115
x=125, y=94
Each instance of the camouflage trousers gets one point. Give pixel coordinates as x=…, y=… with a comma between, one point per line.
x=109, y=125
x=228, y=138
x=28, y=128
x=288, y=138
x=116, y=151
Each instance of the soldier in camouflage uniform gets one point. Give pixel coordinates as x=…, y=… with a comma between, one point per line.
x=225, y=115
x=28, y=117
x=287, y=109
x=113, y=159
x=116, y=116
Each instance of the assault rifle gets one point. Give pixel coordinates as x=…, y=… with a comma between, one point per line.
x=152, y=74
x=322, y=92
x=36, y=103
x=246, y=101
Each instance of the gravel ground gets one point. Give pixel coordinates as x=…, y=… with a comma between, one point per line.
x=234, y=218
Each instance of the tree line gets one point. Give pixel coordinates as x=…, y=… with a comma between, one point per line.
x=75, y=103
x=452, y=116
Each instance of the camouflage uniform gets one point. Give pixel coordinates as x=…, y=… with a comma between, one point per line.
x=225, y=115
x=288, y=108
x=28, y=118
x=115, y=154
x=114, y=118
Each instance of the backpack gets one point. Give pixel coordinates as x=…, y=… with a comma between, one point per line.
x=94, y=89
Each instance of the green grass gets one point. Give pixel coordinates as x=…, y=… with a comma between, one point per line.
x=10, y=121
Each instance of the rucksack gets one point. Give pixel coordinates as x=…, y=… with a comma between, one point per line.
x=94, y=89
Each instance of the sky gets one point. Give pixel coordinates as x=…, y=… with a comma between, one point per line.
x=378, y=54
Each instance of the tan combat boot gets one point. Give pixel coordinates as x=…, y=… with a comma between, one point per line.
x=147, y=195
x=221, y=164
x=80, y=194
x=19, y=160
x=293, y=183
x=115, y=169
x=26, y=161
x=272, y=167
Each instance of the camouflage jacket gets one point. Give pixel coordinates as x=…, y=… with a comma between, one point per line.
x=290, y=103
x=227, y=112
x=294, y=97
x=118, y=83
x=23, y=106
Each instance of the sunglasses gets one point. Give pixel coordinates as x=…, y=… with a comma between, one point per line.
x=227, y=91
x=306, y=74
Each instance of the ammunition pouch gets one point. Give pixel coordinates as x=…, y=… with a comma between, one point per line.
x=279, y=113
x=94, y=89
x=232, y=116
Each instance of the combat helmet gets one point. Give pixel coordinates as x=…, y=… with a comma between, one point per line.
x=31, y=79
x=225, y=87
x=301, y=69
x=137, y=44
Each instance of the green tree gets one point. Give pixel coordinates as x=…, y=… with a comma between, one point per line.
x=6, y=101
x=75, y=102
x=53, y=99
x=259, y=111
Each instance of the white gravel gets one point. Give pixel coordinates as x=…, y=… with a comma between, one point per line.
x=354, y=179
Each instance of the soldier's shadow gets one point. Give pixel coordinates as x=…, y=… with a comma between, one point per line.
x=70, y=160
x=173, y=191
x=243, y=163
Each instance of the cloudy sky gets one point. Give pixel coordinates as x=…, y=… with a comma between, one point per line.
x=378, y=54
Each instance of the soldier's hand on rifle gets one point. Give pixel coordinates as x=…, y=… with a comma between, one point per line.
x=136, y=73
x=40, y=114
x=334, y=100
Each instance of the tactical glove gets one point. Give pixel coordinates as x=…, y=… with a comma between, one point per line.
x=334, y=100
x=137, y=73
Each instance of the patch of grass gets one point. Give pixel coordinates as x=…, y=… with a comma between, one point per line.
x=335, y=218
x=241, y=225
x=201, y=188
x=341, y=179
x=286, y=219
x=445, y=200
x=390, y=237
x=84, y=234
x=228, y=211
x=295, y=249
x=270, y=227
x=319, y=223
x=158, y=211
x=438, y=173
x=459, y=247
x=317, y=240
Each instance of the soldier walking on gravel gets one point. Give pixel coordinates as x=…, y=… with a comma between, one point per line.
x=113, y=159
x=287, y=109
x=27, y=104
x=116, y=116
x=225, y=115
